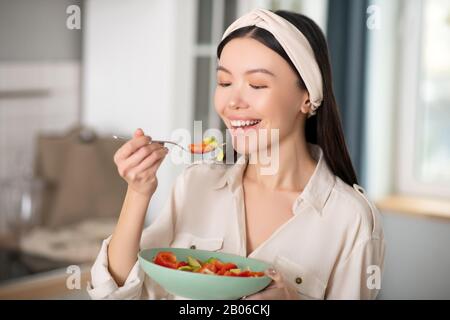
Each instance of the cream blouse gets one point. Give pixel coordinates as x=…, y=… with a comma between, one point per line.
x=331, y=248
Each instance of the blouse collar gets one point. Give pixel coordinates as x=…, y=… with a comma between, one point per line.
x=316, y=192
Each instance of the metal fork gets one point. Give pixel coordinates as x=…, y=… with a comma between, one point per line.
x=157, y=141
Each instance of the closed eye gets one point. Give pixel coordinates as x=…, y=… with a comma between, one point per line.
x=224, y=84
x=258, y=87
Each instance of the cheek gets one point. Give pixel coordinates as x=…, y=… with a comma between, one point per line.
x=219, y=101
x=276, y=109
x=264, y=103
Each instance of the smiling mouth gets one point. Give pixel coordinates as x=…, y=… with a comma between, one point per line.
x=244, y=124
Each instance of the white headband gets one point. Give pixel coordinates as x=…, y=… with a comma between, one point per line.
x=293, y=42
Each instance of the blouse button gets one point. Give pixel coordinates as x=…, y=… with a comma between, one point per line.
x=193, y=247
x=298, y=280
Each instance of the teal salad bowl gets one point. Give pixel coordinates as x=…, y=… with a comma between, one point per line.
x=200, y=286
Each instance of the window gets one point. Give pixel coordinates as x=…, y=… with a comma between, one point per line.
x=316, y=10
x=424, y=140
x=433, y=162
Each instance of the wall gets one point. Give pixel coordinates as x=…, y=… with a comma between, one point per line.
x=36, y=30
x=136, y=71
x=417, y=262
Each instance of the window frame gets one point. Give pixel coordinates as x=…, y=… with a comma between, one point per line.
x=209, y=51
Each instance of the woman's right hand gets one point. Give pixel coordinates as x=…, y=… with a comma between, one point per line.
x=137, y=162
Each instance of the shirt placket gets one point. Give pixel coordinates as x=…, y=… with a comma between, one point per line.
x=238, y=196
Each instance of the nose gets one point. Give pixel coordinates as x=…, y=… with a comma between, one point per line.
x=237, y=102
x=233, y=105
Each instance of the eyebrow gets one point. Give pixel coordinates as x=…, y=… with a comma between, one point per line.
x=260, y=70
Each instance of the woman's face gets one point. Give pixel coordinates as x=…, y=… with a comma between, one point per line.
x=257, y=89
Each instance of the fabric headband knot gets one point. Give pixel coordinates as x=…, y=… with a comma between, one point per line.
x=294, y=43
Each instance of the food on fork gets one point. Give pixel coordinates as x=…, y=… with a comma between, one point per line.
x=207, y=145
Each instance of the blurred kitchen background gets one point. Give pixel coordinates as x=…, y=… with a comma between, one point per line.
x=72, y=73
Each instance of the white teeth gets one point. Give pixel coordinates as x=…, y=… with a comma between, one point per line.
x=243, y=123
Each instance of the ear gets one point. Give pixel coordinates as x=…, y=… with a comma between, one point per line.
x=305, y=104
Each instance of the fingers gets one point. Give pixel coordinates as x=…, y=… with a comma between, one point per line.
x=153, y=162
x=139, y=140
x=277, y=279
x=277, y=290
x=139, y=132
x=152, y=153
x=148, y=167
x=142, y=153
x=274, y=290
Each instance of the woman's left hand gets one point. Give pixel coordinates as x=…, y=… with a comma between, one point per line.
x=277, y=290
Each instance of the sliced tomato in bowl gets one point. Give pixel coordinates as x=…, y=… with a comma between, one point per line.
x=212, y=266
x=166, y=259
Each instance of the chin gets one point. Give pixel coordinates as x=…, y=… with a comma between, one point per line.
x=247, y=147
x=244, y=149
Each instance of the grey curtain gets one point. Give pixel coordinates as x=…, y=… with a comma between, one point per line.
x=346, y=35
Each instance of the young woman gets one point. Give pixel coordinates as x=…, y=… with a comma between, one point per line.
x=309, y=218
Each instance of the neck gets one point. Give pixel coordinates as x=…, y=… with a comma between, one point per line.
x=295, y=166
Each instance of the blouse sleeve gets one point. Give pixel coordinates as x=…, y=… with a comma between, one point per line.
x=158, y=234
x=359, y=276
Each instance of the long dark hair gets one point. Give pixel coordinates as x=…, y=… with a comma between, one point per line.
x=323, y=129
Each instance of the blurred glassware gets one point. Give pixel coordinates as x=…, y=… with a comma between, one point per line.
x=21, y=203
